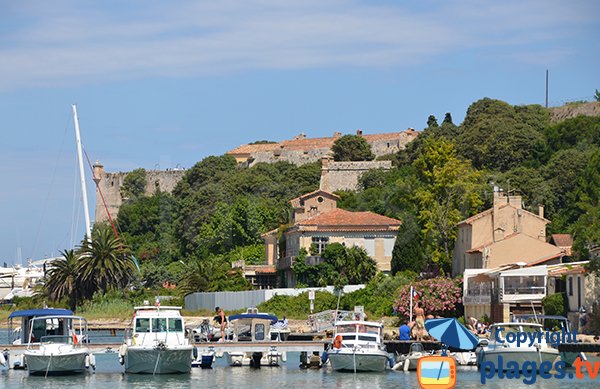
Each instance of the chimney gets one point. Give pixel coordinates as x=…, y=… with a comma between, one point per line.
x=337, y=134
x=541, y=211
x=359, y=132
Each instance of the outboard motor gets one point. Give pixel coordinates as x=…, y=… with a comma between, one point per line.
x=255, y=359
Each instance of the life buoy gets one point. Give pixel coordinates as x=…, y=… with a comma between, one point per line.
x=337, y=342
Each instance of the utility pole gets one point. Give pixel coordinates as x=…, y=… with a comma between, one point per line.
x=546, y=88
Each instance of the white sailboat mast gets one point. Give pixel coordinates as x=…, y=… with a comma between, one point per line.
x=88, y=230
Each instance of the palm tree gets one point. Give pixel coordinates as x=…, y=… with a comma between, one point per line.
x=104, y=262
x=62, y=279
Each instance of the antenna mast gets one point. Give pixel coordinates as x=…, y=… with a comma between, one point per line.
x=86, y=211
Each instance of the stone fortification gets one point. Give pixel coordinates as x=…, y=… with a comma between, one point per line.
x=111, y=183
x=344, y=175
x=301, y=149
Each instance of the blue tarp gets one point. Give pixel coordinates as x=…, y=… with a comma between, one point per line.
x=41, y=312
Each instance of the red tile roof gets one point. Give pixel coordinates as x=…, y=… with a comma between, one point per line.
x=562, y=240
x=342, y=218
x=313, y=143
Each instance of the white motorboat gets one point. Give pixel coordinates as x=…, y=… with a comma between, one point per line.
x=411, y=360
x=157, y=344
x=358, y=346
x=61, y=348
x=504, y=354
x=253, y=326
x=20, y=335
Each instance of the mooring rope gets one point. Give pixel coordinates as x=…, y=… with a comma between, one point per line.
x=48, y=367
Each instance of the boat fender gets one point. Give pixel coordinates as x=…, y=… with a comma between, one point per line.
x=324, y=357
x=195, y=352
x=122, y=352
x=337, y=342
x=284, y=356
x=392, y=362
x=2, y=359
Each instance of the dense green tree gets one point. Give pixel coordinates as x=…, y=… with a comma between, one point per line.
x=496, y=135
x=452, y=190
x=211, y=275
x=448, y=118
x=586, y=230
x=408, y=251
x=352, y=148
x=134, y=184
x=63, y=280
x=432, y=121
x=105, y=263
x=580, y=131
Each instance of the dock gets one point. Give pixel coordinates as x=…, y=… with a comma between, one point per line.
x=218, y=347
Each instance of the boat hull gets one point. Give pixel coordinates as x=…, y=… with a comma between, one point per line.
x=516, y=355
x=359, y=360
x=69, y=363
x=150, y=360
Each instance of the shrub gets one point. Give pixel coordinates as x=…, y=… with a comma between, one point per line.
x=555, y=304
x=441, y=296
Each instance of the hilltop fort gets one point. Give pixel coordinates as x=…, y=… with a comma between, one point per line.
x=299, y=150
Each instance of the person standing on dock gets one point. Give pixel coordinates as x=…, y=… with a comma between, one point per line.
x=222, y=320
x=420, y=321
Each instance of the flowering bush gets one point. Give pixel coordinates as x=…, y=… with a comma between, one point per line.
x=439, y=296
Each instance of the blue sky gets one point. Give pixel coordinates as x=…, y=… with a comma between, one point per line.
x=161, y=84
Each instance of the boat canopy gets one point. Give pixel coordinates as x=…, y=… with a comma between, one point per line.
x=263, y=316
x=41, y=312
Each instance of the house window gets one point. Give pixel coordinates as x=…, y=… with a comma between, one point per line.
x=388, y=246
x=320, y=243
x=370, y=246
x=320, y=199
x=570, y=286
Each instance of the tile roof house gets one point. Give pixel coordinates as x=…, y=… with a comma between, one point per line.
x=317, y=222
x=562, y=241
x=503, y=234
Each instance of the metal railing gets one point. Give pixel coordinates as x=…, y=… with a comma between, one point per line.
x=326, y=320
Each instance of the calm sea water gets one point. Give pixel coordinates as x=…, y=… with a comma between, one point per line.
x=109, y=374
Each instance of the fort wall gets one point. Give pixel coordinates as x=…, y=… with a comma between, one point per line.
x=345, y=175
x=111, y=183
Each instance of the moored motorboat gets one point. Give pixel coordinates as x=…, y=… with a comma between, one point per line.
x=358, y=346
x=499, y=354
x=253, y=326
x=60, y=349
x=410, y=361
x=157, y=344
x=20, y=335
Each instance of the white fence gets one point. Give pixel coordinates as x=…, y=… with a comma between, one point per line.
x=248, y=298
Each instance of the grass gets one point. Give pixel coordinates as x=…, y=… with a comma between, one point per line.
x=108, y=309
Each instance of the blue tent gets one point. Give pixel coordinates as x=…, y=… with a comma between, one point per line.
x=452, y=333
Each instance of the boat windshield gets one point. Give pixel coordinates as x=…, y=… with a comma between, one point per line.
x=360, y=328
x=62, y=339
x=158, y=324
x=513, y=328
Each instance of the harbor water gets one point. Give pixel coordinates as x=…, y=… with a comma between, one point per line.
x=109, y=374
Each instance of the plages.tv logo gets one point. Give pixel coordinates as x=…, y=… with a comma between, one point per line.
x=436, y=372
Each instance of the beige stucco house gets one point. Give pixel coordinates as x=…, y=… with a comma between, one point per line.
x=502, y=254
x=317, y=222
x=503, y=234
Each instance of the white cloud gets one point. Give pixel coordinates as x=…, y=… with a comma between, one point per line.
x=70, y=42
